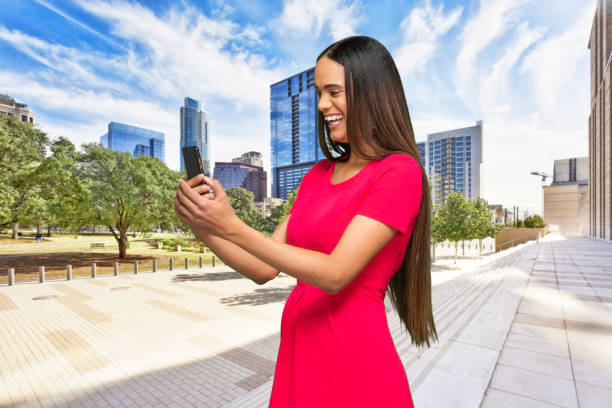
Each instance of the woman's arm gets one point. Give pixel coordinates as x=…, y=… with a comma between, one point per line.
x=239, y=259
x=362, y=240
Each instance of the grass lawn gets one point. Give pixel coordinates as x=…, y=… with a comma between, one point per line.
x=56, y=252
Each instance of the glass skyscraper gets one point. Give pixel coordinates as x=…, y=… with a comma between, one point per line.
x=453, y=161
x=135, y=140
x=293, y=131
x=194, y=131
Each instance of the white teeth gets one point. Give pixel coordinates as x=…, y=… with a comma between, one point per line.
x=333, y=118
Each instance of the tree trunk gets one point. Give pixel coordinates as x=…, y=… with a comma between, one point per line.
x=15, y=230
x=121, y=240
x=49, y=230
x=456, y=248
x=480, y=246
x=463, y=248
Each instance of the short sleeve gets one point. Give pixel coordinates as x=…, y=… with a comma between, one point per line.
x=395, y=196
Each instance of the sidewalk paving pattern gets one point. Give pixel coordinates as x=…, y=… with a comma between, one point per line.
x=533, y=328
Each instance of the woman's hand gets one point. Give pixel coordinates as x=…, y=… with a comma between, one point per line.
x=205, y=211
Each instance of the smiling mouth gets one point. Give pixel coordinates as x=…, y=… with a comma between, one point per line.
x=333, y=120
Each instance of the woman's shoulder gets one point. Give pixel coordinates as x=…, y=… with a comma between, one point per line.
x=321, y=166
x=399, y=161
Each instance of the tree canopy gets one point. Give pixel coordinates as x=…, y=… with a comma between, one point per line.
x=22, y=150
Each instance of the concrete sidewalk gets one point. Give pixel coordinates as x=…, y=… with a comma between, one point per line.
x=532, y=328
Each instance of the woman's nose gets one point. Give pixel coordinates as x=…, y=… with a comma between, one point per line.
x=324, y=103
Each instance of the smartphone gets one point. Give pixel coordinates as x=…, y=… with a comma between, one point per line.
x=193, y=162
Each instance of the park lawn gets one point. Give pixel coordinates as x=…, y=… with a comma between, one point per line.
x=26, y=256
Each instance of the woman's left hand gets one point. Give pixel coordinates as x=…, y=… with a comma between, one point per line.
x=202, y=212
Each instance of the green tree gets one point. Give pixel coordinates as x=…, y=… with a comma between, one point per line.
x=278, y=214
x=534, y=221
x=125, y=192
x=437, y=232
x=452, y=220
x=22, y=150
x=482, y=223
x=62, y=190
x=243, y=203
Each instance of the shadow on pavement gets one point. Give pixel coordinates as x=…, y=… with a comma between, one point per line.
x=213, y=276
x=262, y=296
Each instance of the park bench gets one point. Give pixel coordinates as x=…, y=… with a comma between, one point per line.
x=96, y=245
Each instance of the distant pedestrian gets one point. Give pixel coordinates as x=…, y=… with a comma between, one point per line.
x=360, y=225
x=39, y=238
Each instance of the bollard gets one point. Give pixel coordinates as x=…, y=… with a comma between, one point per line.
x=68, y=272
x=201, y=260
x=171, y=264
x=93, y=270
x=41, y=274
x=155, y=265
x=136, y=267
x=116, y=269
x=213, y=260
x=186, y=263
x=11, y=276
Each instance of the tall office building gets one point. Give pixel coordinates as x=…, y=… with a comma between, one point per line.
x=253, y=158
x=194, y=131
x=135, y=140
x=9, y=107
x=453, y=160
x=600, y=125
x=294, y=131
x=250, y=177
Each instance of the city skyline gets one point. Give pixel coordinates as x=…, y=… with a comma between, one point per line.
x=520, y=66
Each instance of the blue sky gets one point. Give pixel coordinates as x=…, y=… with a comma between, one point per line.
x=521, y=66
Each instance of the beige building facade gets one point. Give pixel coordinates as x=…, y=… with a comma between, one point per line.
x=566, y=208
x=8, y=106
x=600, y=123
x=566, y=200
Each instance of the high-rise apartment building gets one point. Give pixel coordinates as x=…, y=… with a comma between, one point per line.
x=453, y=160
x=294, y=131
x=135, y=140
x=250, y=177
x=600, y=125
x=9, y=107
x=254, y=158
x=194, y=131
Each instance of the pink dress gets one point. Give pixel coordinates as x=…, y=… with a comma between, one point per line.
x=336, y=350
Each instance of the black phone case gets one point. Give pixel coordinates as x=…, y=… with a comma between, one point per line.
x=193, y=162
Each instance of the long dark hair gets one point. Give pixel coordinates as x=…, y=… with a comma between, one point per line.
x=378, y=113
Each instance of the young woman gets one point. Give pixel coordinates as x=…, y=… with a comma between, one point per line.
x=359, y=226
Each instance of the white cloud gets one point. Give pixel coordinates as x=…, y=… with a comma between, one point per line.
x=421, y=30
x=310, y=17
x=185, y=51
x=494, y=18
x=552, y=64
x=494, y=88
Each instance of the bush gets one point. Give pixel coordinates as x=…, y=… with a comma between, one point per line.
x=171, y=243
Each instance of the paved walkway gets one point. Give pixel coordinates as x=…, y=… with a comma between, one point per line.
x=533, y=328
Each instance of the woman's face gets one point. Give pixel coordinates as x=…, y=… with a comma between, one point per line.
x=329, y=81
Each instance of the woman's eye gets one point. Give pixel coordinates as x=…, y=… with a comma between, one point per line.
x=334, y=93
